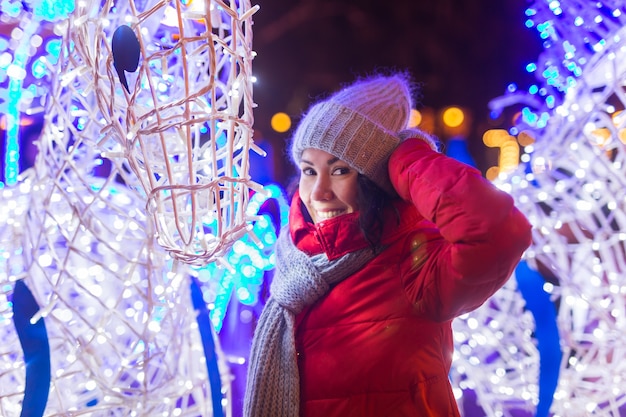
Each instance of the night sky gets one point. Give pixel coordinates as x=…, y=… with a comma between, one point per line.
x=463, y=52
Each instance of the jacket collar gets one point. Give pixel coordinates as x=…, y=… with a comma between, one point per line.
x=342, y=234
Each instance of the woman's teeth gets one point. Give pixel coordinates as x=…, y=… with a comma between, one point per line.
x=325, y=215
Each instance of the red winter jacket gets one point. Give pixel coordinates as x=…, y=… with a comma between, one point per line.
x=380, y=342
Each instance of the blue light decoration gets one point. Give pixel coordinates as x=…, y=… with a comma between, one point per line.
x=208, y=345
x=19, y=69
x=34, y=341
x=570, y=35
x=52, y=10
x=248, y=260
x=530, y=283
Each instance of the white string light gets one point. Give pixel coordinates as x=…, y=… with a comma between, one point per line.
x=575, y=198
x=105, y=251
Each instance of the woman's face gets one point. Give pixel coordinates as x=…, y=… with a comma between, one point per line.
x=328, y=185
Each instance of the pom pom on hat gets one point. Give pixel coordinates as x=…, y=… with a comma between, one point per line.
x=359, y=125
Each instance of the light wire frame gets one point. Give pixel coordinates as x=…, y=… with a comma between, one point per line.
x=185, y=124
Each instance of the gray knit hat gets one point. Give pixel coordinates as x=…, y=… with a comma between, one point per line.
x=359, y=125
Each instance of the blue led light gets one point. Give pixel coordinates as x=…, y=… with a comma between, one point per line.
x=600, y=45
x=52, y=10
x=571, y=82
x=38, y=69
x=20, y=59
x=19, y=65
x=530, y=12
x=570, y=50
x=554, y=5
x=250, y=262
x=546, y=30
x=529, y=117
x=551, y=74
x=13, y=9
x=53, y=48
x=543, y=120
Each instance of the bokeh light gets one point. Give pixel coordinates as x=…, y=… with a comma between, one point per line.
x=281, y=122
x=415, y=118
x=453, y=117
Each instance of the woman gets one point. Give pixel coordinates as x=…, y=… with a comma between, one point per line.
x=388, y=241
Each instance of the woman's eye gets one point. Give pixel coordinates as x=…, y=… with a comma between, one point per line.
x=341, y=171
x=308, y=171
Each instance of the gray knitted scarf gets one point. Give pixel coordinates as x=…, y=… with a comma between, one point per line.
x=273, y=384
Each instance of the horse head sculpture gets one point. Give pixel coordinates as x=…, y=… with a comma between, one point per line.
x=171, y=85
x=142, y=172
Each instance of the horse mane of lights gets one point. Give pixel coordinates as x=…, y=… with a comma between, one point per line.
x=140, y=186
x=551, y=342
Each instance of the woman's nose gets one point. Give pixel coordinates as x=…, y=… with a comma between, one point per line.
x=322, y=190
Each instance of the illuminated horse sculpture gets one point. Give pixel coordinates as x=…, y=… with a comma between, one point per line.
x=142, y=171
x=552, y=341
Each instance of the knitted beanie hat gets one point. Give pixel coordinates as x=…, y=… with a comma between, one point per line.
x=359, y=125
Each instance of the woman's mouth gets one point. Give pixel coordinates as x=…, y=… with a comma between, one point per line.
x=329, y=214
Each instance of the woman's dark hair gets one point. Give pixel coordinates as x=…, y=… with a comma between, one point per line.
x=372, y=201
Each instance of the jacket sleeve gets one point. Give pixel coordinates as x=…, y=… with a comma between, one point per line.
x=484, y=235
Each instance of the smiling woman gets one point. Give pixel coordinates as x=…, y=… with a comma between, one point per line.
x=328, y=185
x=387, y=242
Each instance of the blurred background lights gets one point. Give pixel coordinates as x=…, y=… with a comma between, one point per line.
x=453, y=117
x=495, y=137
x=415, y=118
x=281, y=122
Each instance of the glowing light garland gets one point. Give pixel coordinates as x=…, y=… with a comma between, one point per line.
x=572, y=188
x=123, y=335
x=250, y=259
x=21, y=67
x=571, y=33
